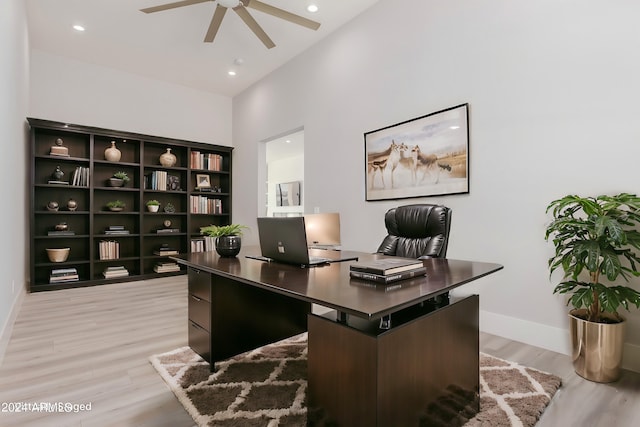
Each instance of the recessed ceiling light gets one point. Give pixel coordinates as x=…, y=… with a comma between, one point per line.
x=454, y=127
x=78, y=27
x=231, y=73
x=312, y=8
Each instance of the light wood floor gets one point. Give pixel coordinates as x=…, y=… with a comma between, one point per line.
x=91, y=345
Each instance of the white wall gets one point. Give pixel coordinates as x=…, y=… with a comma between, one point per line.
x=67, y=90
x=14, y=94
x=552, y=87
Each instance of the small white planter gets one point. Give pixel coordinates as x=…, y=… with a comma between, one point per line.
x=153, y=208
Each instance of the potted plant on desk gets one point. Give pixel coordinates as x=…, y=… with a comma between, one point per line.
x=596, y=238
x=228, y=241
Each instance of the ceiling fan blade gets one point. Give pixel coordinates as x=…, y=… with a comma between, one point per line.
x=172, y=5
x=254, y=26
x=215, y=23
x=280, y=13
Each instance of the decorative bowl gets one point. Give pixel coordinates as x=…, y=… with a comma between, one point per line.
x=63, y=226
x=58, y=255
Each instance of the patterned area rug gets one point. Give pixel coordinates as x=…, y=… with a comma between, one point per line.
x=267, y=387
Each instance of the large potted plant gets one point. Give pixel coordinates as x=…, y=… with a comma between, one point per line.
x=228, y=238
x=596, y=243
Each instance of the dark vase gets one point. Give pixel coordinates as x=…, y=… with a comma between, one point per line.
x=228, y=246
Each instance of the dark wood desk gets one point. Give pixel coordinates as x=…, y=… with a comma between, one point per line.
x=358, y=374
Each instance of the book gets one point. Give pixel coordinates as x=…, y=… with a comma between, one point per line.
x=389, y=278
x=386, y=266
x=61, y=233
x=167, y=230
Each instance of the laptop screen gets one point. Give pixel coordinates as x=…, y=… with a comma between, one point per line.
x=323, y=229
x=283, y=239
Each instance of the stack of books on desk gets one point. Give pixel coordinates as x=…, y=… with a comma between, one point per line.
x=387, y=270
x=115, y=271
x=62, y=275
x=166, y=267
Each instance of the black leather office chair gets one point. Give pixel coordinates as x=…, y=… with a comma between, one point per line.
x=417, y=231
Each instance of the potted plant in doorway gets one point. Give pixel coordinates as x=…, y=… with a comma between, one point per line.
x=596, y=240
x=228, y=241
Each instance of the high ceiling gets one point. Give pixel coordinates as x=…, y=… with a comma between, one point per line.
x=169, y=45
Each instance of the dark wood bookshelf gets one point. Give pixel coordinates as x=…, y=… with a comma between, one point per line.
x=139, y=159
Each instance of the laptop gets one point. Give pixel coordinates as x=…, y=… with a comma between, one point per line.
x=323, y=230
x=283, y=239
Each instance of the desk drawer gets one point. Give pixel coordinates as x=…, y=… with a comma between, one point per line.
x=199, y=283
x=200, y=341
x=200, y=311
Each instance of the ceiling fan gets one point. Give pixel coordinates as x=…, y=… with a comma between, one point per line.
x=240, y=7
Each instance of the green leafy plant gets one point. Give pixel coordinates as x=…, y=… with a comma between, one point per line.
x=116, y=204
x=223, y=230
x=598, y=237
x=153, y=203
x=121, y=175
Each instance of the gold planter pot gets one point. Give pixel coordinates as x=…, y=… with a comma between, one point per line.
x=596, y=347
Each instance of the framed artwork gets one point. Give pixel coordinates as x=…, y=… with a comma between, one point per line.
x=203, y=180
x=288, y=194
x=421, y=157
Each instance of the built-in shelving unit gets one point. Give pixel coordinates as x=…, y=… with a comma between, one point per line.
x=91, y=223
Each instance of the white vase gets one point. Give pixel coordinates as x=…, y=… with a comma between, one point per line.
x=153, y=208
x=168, y=159
x=112, y=153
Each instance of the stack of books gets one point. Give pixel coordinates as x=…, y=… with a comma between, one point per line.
x=166, y=267
x=116, y=229
x=208, y=161
x=80, y=177
x=203, y=244
x=115, y=271
x=156, y=180
x=165, y=250
x=205, y=205
x=108, y=249
x=62, y=275
x=387, y=270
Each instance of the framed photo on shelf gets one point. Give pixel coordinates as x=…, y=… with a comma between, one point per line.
x=421, y=157
x=203, y=180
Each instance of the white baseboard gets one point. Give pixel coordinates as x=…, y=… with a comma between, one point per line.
x=544, y=336
x=7, y=328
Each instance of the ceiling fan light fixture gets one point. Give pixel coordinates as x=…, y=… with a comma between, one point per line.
x=229, y=4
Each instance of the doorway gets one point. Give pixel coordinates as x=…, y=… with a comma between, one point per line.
x=282, y=172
